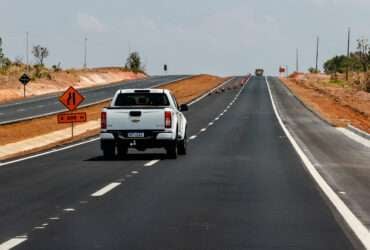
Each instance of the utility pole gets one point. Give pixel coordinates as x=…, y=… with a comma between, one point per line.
x=27, y=52
x=85, y=53
x=297, y=61
x=317, y=54
x=348, y=50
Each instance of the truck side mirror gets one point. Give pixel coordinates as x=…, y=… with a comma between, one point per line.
x=184, y=107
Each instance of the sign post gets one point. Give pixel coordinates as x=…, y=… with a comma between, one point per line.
x=71, y=99
x=24, y=79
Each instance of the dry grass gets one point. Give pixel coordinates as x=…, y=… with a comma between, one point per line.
x=185, y=91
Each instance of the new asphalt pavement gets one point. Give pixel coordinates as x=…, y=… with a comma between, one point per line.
x=241, y=186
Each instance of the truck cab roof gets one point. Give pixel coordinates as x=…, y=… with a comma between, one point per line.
x=123, y=91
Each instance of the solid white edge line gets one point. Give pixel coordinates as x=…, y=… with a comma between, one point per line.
x=48, y=152
x=106, y=189
x=361, y=232
x=355, y=137
x=151, y=163
x=12, y=243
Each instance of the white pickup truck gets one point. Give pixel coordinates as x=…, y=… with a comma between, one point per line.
x=141, y=119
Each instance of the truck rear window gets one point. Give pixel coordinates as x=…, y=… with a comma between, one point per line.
x=141, y=99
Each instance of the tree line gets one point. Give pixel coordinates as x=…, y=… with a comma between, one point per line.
x=357, y=61
x=40, y=53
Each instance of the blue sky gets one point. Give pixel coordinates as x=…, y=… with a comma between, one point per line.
x=193, y=36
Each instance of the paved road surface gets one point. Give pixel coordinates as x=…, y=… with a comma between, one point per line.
x=46, y=104
x=241, y=186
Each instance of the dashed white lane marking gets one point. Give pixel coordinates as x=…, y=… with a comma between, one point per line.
x=134, y=172
x=12, y=242
x=192, y=137
x=342, y=192
x=39, y=228
x=45, y=224
x=348, y=216
x=151, y=163
x=54, y=218
x=106, y=189
x=69, y=209
x=203, y=130
x=41, y=106
x=210, y=124
x=217, y=118
x=20, y=110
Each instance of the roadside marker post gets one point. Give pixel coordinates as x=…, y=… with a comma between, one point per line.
x=71, y=99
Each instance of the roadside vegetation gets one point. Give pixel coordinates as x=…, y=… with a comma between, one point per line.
x=356, y=64
x=134, y=64
x=39, y=70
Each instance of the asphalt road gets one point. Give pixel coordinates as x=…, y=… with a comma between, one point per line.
x=40, y=105
x=342, y=161
x=241, y=186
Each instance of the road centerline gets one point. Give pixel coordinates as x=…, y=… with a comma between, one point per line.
x=106, y=189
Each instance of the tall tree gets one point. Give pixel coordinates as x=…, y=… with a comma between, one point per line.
x=133, y=62
x=40, y=53
x=363, y=48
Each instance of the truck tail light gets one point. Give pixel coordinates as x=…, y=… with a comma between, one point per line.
x=103, y=121
x=167, y=119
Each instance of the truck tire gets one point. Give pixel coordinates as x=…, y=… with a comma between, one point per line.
x=172, y=150
x=181, y=145
x=108, y=151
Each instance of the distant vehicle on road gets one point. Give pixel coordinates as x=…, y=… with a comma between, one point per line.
x=259, y=72
x=141, y=119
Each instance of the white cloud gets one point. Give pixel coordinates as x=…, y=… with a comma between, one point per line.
x=89, y=23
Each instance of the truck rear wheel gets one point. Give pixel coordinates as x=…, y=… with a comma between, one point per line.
x=181, y=146
x=108, y=151
x=172, y=150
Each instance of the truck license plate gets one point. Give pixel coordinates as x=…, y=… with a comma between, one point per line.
x=135, y=135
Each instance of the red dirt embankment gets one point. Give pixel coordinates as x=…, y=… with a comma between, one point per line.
x=334, y=100
x=50, y=82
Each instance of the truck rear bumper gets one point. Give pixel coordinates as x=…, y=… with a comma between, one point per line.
x=152, y=139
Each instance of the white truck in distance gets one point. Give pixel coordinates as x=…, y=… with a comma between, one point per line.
x=141, y=119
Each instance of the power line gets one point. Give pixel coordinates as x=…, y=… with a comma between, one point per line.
x=85, y=53
x=317, y=53
x=348, y=50
x=297, y=61
x=27, y=52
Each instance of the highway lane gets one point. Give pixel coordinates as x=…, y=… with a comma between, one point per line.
x=242, y=186
x=342, y=161
x=37, y=189
x=40, y=105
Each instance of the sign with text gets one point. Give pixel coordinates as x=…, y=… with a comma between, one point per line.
x=72, y=117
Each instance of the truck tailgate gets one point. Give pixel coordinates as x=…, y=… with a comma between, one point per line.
x=147, y=119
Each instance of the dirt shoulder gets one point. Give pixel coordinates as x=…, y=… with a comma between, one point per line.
x=184, y=90
x=191, y=88
x=51, y=82
x=337, y=103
